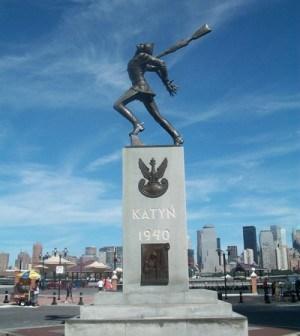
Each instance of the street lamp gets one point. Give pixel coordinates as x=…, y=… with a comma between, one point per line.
x=224, y=265
x=43, y=258
x=115, y=258
x=61, y=254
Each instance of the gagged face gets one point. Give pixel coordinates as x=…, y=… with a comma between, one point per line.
x=146, y=47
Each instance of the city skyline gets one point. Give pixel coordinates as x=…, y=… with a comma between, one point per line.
x=63, y=64
x=277, y=233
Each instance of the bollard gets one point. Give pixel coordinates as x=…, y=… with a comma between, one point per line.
x=6, y=300
x=54, y=299
x=241, y=297
x=220, y=296
x=80, y=303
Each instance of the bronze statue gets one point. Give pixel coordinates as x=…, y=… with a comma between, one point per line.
x=143, y=61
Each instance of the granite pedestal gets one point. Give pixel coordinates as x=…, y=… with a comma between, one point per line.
x=156, y=299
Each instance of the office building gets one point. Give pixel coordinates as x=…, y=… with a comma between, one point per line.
x=4, y=259
x=294, y=260
x=113, y=256
x=279, y=237
x=267, y=250
x=248, y=257
x=208, y=260
x=37, y=251
x=191, y=261
x=250, y=241
x=91, y=250
x=232, y=253
x=281, y=257
x=296, y=239
x=23, y=261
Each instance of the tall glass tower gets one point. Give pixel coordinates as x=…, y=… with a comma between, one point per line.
x=250, y=241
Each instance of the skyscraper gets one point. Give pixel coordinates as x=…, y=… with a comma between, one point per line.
x=267, y=248
x=248, y=257
x=208, y=260
x=37, y=251
x=4, y=258
x=250, y=241
x=113, y=255
x=296, y=239
x=91, y=250
x=279, y=236
x=191, y=261
x=232, y=253
x=23, y=260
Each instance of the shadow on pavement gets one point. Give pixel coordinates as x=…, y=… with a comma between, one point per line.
x=59, y=317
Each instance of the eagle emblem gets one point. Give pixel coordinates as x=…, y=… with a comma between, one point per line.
x=156, y=185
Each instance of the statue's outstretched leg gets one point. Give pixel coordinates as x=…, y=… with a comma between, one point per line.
x=120, y=106
x=153, y=110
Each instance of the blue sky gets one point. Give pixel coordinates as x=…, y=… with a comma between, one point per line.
x=63, y=64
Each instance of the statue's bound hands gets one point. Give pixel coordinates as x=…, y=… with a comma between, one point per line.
x=171, y=87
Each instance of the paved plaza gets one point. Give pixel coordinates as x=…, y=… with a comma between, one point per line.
x=275, y=319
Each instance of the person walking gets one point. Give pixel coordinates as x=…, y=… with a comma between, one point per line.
x=266, y=291
x=69, y=294
x=107, y=284
x=100, y=285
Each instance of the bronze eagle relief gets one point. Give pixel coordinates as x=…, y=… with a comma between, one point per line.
x=156, y=185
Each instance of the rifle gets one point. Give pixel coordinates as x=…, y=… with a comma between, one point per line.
x=203, y=30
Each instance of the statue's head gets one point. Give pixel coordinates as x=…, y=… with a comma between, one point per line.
x=145, y=47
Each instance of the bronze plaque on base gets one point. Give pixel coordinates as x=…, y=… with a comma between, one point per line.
x=154, y=264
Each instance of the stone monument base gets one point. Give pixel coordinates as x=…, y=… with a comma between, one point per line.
x=190, y=313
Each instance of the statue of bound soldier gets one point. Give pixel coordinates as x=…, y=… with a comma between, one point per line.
x=142, y=62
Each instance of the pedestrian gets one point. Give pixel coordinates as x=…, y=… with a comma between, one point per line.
x=35, y=294
x=69, y=289
x=100, y=285
x=266, y=291
x=107, y=284
x=277, y=291
x=273, y=286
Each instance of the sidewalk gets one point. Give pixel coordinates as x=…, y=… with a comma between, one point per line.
x=47, y=299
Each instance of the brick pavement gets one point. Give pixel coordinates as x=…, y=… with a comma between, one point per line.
x=59, y=331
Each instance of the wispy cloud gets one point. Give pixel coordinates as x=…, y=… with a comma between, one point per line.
x=255, y=158
x=104, y=160
x=88, y=67
x=40, y=196
x=253, y=106
x=204, y=189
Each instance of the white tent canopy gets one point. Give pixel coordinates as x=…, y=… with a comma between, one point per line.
x=97, y=266
x=56, y=260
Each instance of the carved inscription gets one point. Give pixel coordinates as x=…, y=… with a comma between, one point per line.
x=158, y=235
x=153, y=213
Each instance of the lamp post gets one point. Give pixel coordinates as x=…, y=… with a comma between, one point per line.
x=115, y=258
x=43, y=258
x=224, y=270
x=61, y=254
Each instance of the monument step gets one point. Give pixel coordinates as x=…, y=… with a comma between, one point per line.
x=197, y=296
x=142, y=311
x=193, y=326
